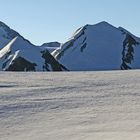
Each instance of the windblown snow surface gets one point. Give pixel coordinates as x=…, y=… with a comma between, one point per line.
x=70, y=106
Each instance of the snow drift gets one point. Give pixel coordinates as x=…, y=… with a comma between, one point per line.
x=70, y=106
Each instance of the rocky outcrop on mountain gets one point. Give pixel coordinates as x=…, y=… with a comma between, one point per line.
x=128, y=53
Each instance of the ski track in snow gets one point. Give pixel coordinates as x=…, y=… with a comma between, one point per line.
x=70, y=106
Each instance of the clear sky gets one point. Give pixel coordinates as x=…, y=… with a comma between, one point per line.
x=55, y=20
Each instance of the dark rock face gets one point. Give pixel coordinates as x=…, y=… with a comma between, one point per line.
x=84, y=45
x=128, y=52
x=50, y=60
x=21, y=64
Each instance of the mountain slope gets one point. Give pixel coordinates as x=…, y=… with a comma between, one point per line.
x=20, y=55
x=6, y=34
x=51, y=46
x=100, y=47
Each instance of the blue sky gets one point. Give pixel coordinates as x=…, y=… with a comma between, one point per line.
x=55, y=20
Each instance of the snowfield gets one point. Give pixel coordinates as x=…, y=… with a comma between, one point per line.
x=70, y=106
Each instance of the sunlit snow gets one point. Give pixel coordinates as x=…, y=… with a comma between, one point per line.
x=70, y=106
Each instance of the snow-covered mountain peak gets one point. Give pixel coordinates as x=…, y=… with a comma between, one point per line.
x=99, y=27
x=51, y=46
x=92, y=47
x=17, y=44
x=103, y=24
x=20, y=55
x=6, y=32
x=102, y=27
x=99, y=47
x=3, y=25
